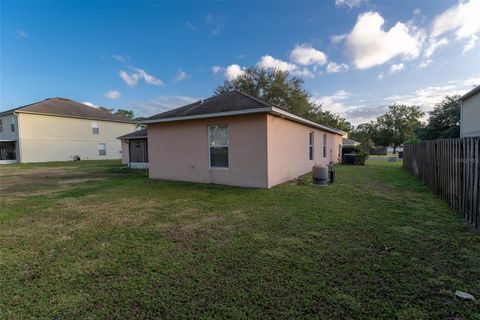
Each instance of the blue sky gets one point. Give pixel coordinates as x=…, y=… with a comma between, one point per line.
x=355, y=56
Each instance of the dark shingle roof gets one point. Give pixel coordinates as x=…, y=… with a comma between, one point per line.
x=68, y=108
x=138, y=134
x=232, y=101
x=229, y=101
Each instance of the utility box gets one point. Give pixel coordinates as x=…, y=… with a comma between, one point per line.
x=320, y=175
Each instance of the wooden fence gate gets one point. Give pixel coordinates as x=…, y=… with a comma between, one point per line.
x=450, y=168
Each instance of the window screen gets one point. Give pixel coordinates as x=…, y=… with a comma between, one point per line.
x=324, y=145
x=310, y=146
x=95, y=129
x=102, y=149
x=12, y=125
x=218, y=145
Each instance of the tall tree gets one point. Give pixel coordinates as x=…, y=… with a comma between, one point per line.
x=125, y=113
x=444, y=120
x=363, y=134
x=273, y=86
x=284, y=90
x=396, y=126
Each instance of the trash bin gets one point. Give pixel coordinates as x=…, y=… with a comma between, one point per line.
x=349, y=158
x=400, y=154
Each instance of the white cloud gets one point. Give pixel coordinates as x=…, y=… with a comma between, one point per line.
x=349, y=3
x=215, y=22
x=370, y=45
x=380, y=76
x=348, y=106
x=120, y=58
x=21, y=34
x=337, y=38
x=304, y=73
x=138, y=74
x=233, y=71
x=462, y=19
x=425, y=63
x=191, y=25
x=217, y=69
x=306, y=55
x=90, y=104
x=160, y=104
x=114, y=94
x=394, y=68
x=429, y=96
x=433, y=45
x=470, y=44
x=333, y=67
x=230, y=72
x=181, y=75
x=269, y=62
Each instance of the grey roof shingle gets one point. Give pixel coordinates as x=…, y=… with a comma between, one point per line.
x=138, y=134
x=225, y=102
x=229, y=101
x=68, y=108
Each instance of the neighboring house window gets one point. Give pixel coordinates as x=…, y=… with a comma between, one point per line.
x=95, y=129
x=1, y=125
x=324, y=145
x=310, y=145
x=102, y=149
x=218, y=146
x=12, y=125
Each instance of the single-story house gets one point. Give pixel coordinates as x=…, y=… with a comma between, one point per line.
x=59, y=129
x=135, y=149
x=349, y=142
x=236, y=139
x=470, y=114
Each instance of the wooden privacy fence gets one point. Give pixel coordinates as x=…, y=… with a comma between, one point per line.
x=450, y=168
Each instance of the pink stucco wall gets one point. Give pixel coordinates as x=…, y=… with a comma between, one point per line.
x=265, y=150
x=288, y=149
x=179, y=151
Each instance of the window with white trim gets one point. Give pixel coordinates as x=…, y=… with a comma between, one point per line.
x=310, y=145
x=102, y=149
x=95, y=129
x=324, y=145
x=218, y=145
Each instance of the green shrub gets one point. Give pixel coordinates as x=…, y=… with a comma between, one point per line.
x=360, y=155
x=360, y=158
x=351, y=149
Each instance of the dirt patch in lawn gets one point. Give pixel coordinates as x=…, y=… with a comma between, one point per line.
x=40, y=181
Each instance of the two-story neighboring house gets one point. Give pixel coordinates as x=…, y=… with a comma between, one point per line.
x=59, y=129
x=470, y=114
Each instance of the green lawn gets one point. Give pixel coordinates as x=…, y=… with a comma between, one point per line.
x=93, y=240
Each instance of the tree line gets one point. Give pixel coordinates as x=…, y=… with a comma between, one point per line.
x=400, y=124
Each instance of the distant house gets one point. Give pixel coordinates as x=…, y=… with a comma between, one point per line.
x=235, y=139
x=135, y=149
x=59, y=129
x=470, y=114
x=349, y=142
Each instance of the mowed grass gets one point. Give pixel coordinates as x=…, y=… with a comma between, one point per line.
x=93, y=240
